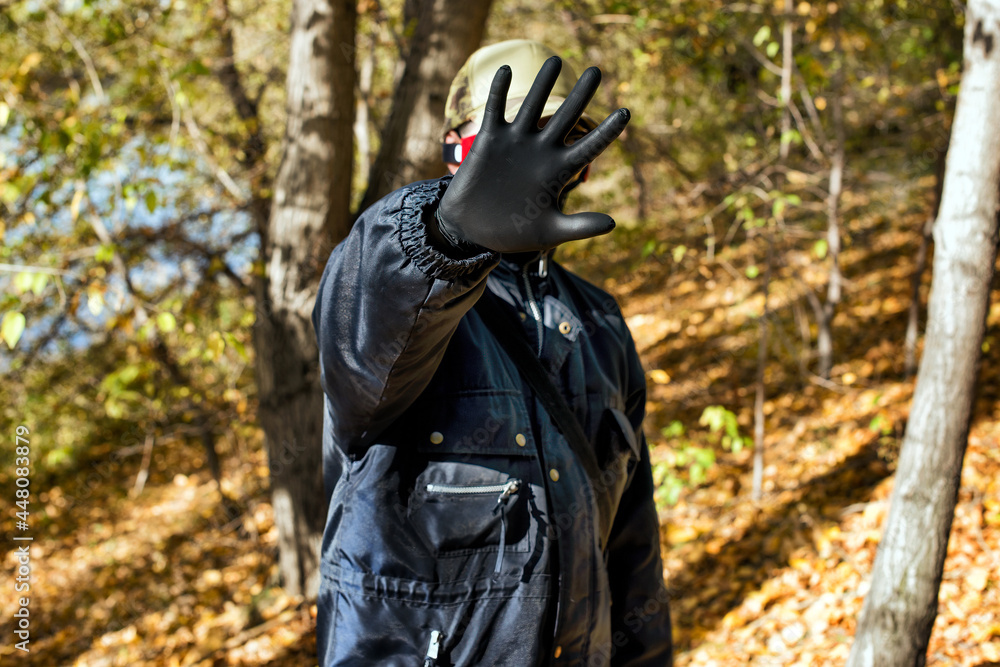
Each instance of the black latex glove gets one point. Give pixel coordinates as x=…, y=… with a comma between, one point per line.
x=505, y=195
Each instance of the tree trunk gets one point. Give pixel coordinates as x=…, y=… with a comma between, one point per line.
x=311, y=208
x=913, y=318
x=785, y=92
x=760, y=387
x=899, y=611
x=913, y=315
x=824, y=338
x=447, y=32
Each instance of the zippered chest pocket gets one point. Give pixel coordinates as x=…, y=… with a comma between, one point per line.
x=460, y=508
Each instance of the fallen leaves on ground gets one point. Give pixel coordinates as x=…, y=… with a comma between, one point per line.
x=179, y=576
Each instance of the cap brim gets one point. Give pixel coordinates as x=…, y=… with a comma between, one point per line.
x=513, y=106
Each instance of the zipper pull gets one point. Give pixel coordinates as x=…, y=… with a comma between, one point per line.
x=543, y=265
x=430, y=660
x=510, y=487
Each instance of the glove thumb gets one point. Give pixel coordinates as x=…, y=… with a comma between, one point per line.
x=579, y=226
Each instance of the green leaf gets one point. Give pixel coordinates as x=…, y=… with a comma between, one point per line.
x=237, y=345
x=10, y=193
x=772, y=49
x=674, y=430
x=778, y=207
x=38, y=283
x=215, y=344
x=696, y=474
x=12, y=327
x=166, y=322
x=679, y=253
x=128, y=374
x=195, y=68
x=4, y=114
x=105, y=253
x=150, y=201
x=23, y=281
x=752, y=271
x=712, y=417
x=648, y=247
x=669, y=491
x=705, y=457
x=792, y=137
x=763, y=34
x=820, y=248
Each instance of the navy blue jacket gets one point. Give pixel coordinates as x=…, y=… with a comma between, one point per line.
x=445, y=536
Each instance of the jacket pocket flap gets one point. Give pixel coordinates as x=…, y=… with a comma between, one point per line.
x=476, y=424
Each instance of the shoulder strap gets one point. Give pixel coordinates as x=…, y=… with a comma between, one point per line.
x=511, y=338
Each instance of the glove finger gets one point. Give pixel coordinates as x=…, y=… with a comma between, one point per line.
x=572, y=108
x=578, y=226
x=534, y=102
x=584, y=151
x=496, y=101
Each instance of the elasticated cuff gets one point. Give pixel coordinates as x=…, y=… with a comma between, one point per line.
x=416, y=212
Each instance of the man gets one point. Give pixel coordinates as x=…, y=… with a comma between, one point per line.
x=475, y=519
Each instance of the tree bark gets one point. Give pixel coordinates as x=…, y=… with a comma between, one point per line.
x=785, y=92
x=447, y=32
x=899, y=611
x=310, y=209
x=824, y=338
x=913, y=317
x=760, y=387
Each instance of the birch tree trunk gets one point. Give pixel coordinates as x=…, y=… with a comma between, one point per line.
x=447, y=32
x=899, y=611
x=310, y=209
x=824, y=337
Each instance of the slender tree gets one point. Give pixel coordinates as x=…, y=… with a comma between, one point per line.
x=824, y=337
x=899, y=611
x=760, y=388
x=310, y=208
x=446, y=32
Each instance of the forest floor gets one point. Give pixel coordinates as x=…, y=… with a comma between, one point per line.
x=176, y=577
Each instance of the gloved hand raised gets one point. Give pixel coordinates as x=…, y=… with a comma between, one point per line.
x=505, y=195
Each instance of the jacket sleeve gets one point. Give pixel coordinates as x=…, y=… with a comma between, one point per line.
x=640, y=626
x=388, y=303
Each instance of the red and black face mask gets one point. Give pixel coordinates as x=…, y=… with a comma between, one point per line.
x=455, y=153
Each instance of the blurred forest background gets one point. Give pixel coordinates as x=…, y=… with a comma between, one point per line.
x=159, y=263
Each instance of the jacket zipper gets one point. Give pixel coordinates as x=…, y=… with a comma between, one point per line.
x=536, y=312
x=433, y=648
x=505, y=490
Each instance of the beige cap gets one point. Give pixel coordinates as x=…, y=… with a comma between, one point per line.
x=471, y=87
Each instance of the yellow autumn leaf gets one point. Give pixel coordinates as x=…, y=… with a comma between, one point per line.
x=29, y=63
x=978, y=578
x=659, y=376
x=678, y=534
x=12, y=328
